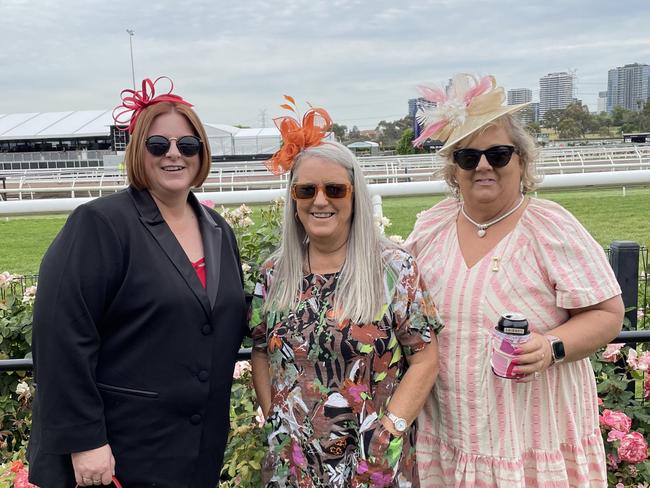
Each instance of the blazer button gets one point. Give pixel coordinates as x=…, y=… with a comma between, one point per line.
x=206, y=329
x=195, y=419
x=203, y=375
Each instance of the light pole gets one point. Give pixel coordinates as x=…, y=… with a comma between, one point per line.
x=131, y=33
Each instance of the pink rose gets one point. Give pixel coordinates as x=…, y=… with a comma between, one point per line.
x=240, y=368
x=632, y=361
x=612, y=461
x=615, y=435
x=616, y=420
x=611, y=352
x=600, y=401
x=639, y=363
x=646, y=387
x=633, y=448
x=207, y=203
x=259, y=418
x=643, y=363
x=619, y=485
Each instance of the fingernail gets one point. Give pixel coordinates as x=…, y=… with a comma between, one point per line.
x=517, y=351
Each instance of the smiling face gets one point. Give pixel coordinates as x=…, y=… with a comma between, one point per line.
x=172, y=173
x=486, y=185
x=326, y=220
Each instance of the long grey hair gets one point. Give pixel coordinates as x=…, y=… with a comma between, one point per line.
x=360, y=289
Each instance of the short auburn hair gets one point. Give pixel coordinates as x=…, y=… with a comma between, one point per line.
x=135, y=150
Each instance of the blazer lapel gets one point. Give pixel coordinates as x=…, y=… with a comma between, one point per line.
x=158, y=228
x=211, y=235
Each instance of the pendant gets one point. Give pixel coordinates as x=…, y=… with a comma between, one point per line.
x=481, y=232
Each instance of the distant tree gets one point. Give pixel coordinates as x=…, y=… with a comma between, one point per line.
x=569, y=128
x=534, y=128
x=552, y=119
x=405, y=143
x=618, y=115
x=644, y=117
x=340, y=131
x=389, y=132
x=354, y=134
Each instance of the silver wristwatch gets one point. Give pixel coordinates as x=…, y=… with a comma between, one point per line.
x=557, y=348
x=400, y=424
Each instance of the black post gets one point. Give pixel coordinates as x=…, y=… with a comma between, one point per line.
x=624, y=258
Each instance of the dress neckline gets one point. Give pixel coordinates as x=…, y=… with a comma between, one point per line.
x=499, y=248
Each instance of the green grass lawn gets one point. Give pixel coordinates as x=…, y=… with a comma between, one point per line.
x=604, y=212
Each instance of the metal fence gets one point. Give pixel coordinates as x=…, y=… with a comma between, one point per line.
x=85, y=179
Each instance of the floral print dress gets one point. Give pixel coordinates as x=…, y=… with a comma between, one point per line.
x=332, y=380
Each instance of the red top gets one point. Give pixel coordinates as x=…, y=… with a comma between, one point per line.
x=199, y=267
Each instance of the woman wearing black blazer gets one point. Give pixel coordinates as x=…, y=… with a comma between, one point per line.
x=139, y=316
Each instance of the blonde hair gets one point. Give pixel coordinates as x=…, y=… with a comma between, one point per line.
x=135, y=150
x=526, y=146
x=360, y=288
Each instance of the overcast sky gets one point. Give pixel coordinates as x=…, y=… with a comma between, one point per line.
x=361, y=60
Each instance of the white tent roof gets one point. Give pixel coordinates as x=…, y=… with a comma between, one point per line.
x=239, y=132
x=43, y=125
x=221, y=128
x=363, y=144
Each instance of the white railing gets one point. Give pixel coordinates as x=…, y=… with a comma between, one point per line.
x=65, y=205
x=248, y=175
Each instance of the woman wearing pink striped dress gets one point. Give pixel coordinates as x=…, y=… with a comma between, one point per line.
x=491, y=250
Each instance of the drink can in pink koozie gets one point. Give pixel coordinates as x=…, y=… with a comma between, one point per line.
x=510, y=332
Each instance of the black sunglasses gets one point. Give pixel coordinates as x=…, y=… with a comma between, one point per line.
x=158, y=146
x=497, y=156
x=304, y=191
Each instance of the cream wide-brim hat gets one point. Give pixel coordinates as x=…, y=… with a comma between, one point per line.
x=474, y=123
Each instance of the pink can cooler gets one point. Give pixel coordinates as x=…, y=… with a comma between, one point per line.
x=510, y=332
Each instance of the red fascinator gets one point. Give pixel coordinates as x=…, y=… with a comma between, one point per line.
x=134, y=102
x=296, y=136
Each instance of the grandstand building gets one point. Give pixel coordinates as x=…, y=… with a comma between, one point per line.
x=89, y=139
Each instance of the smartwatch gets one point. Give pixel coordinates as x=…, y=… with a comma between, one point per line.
x=400, y=424
x=557, y=348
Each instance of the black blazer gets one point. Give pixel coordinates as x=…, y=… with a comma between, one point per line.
x=130, y=349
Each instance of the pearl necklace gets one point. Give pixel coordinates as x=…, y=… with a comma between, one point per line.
x=483, y=227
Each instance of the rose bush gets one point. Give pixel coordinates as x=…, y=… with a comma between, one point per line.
x=624, y=390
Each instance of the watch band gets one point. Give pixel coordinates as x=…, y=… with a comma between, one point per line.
x=400, y=424
x=557, y=348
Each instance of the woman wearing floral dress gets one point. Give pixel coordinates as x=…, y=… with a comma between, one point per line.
x=344, y=335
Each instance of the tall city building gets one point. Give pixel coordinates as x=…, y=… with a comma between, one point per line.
x=556, y=92
x=628, y=87
x=602, y=102
x=522, y=95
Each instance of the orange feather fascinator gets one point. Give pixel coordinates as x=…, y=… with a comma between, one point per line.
x=296, y=136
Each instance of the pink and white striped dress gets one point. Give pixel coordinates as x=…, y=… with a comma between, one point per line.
x=479, y=430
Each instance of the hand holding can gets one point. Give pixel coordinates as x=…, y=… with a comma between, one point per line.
x=510, y=332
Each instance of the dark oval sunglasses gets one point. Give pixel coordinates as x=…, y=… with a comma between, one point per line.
x=304, y=191
x=497, y=156
x=158, y=146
